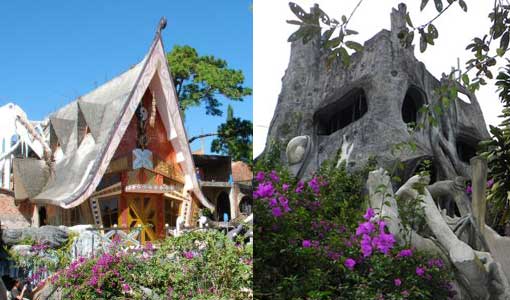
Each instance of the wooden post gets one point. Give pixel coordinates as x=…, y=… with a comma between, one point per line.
x=479, y=185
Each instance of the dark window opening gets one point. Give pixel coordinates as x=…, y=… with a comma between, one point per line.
x=109, y=211
x=413, y=101
x=246, y=205
x=172, y=210
x=465, y=150
x=428, y=166
x=342, y=112
x=42, y=216
x=223, y=206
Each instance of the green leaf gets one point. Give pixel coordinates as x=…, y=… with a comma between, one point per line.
x=500, y=52
x=353, y=45
x=429, y=38
x=349, y=32
x=344, y=19
x=333, y=43
x=439, y=5
x=463, y=5
x=423, y=4
x=295, y=22
x=465, y=79
x=408, y=20
x=504, y=40
x=346, y=59
x=445, y=101
x=327, y=34
x=423, y=43
x=298, y=11
x=433, y=31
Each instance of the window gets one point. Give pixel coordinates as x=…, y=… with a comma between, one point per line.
x=109, y=211
x=413, y=101
x=172, y=209
x=466, y=149
x=341, y=113
x=75, y=216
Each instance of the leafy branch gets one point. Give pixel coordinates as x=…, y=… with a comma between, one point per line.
x=313, y=23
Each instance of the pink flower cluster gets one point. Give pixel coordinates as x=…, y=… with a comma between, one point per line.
x=374, y=239
x=278, y=200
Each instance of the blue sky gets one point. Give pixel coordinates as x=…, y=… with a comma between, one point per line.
x=54, y=51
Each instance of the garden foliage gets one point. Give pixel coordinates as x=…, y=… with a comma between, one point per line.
x=313, y=242
x=198, y=265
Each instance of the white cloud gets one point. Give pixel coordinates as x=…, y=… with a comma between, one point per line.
x=271, y=50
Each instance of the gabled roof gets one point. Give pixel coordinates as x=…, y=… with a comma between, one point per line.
x=107, y=112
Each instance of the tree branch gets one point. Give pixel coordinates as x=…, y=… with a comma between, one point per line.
x=191, y=140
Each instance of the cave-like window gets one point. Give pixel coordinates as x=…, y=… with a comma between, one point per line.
x=465, y=149
x=413, y=101
x=342, y=112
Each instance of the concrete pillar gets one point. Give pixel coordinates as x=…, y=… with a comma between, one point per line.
x=479, y=185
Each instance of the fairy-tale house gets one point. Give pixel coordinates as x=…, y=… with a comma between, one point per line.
x=119, y=155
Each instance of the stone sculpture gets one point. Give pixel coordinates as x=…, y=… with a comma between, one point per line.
x=361, y=111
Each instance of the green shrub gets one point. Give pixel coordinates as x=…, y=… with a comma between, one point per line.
x=198, y=265
x=312, y=243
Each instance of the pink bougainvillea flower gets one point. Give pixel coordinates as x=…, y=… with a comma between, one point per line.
x=264, y=190
x=420, y=271
x=366, y=245
x=469, y=189
x=285, y=187
x=397, y=281
x=384, y=242
x=490, y=183
x=274, y=176
x=436, y=262
x=273, y=202
x=369, y=214
x=260, y=176
x=314, y=185
x=276, y=211
x=188, y=254
x=405, y=253
x=306, y=244
x=365, y=228
x=382, y=225
x=300, y=187
x=350, y=263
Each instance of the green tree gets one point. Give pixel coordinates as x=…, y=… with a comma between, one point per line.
x=497, y=152
x=234, y=138
x=202, y=79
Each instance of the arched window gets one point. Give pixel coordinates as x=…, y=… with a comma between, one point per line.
x=466, y=149
x=413, y=101
x=339, y=114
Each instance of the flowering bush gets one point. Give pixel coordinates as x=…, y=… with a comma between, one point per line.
x=198, y=265
x=40, y=260
x=313, y=242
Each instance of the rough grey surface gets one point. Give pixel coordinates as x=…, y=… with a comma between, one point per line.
x=384, y=70
x=83, y=245
x=48, y=292
x=53, y=236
